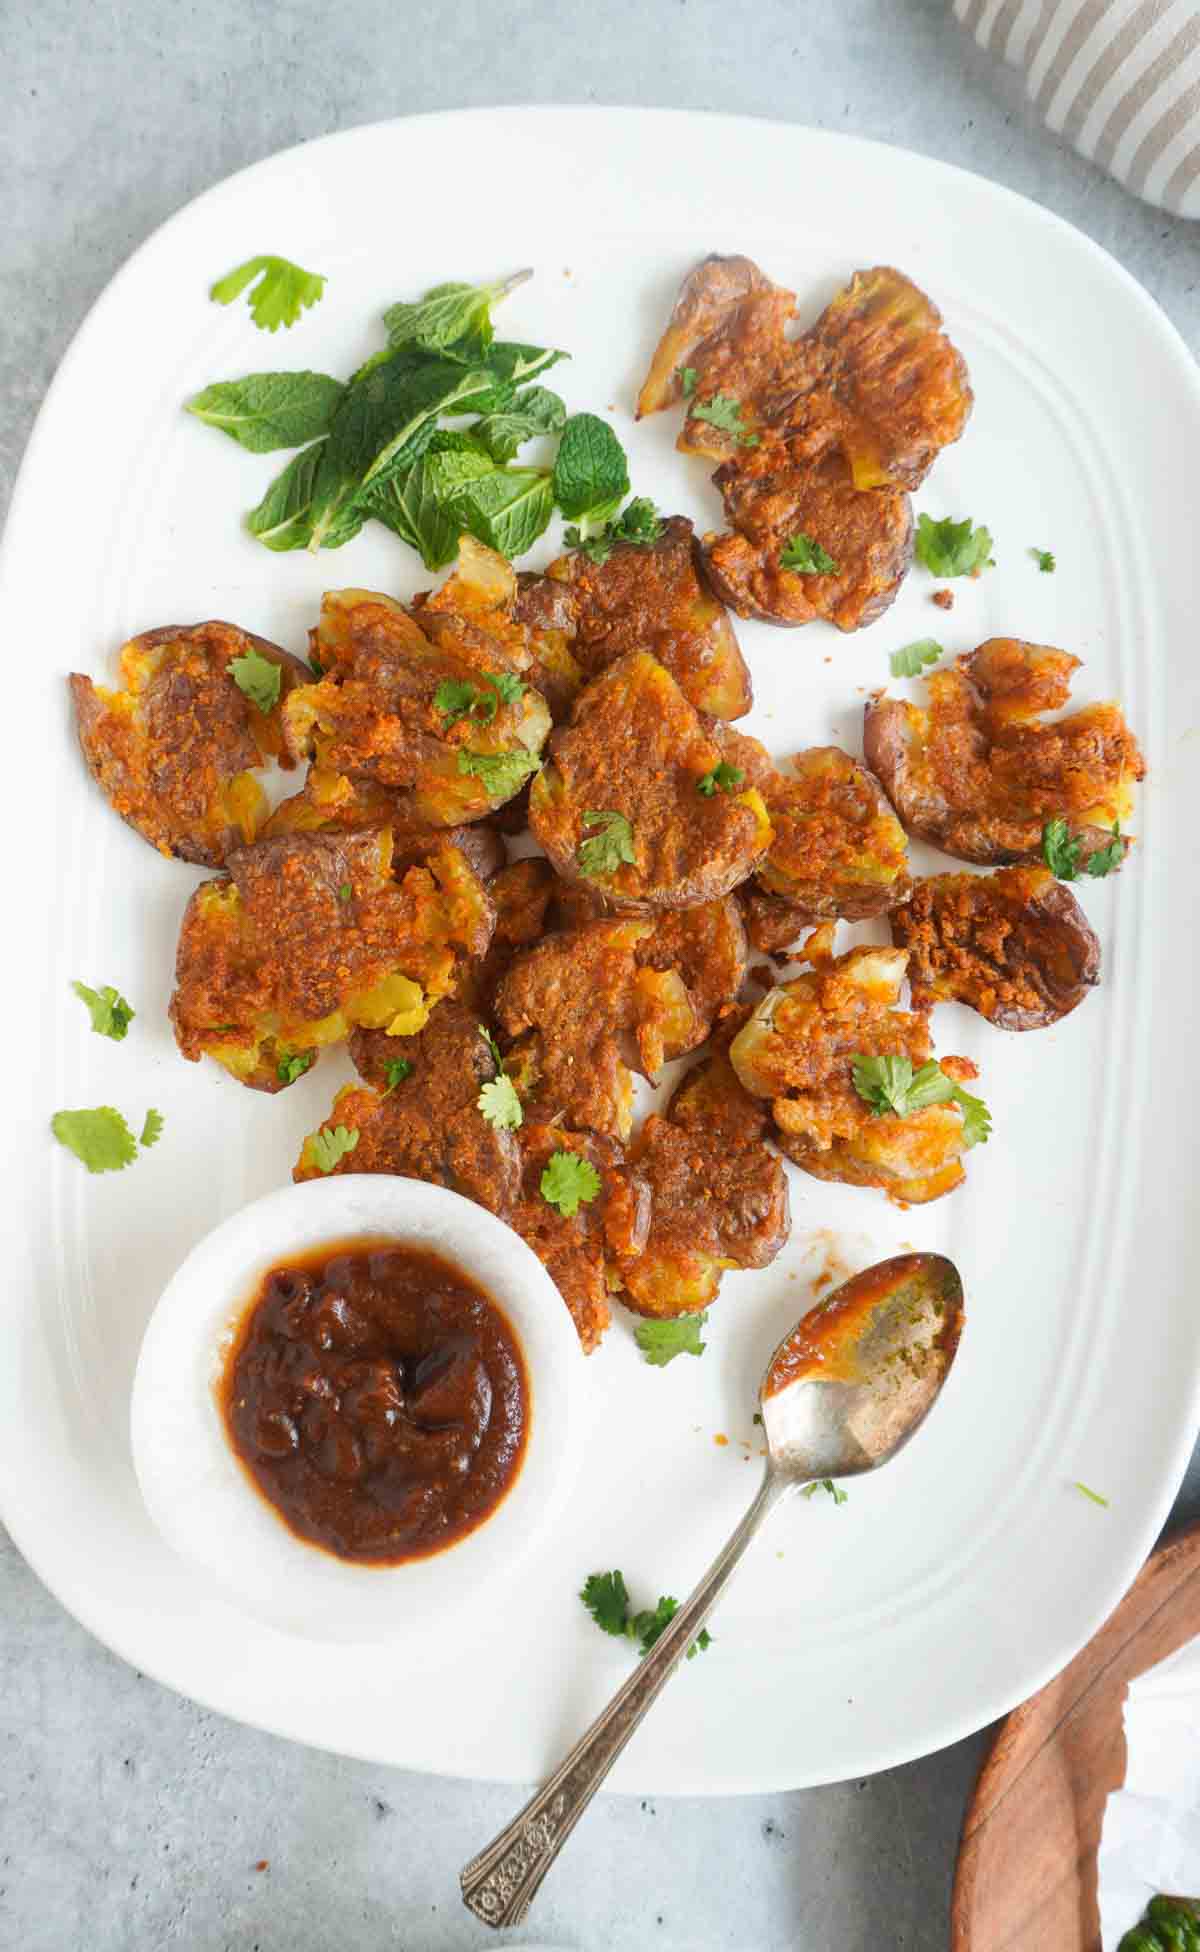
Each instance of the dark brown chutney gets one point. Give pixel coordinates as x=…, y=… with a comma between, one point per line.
x=377, y=1398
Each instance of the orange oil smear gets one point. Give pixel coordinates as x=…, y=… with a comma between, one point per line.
x=720, y=1438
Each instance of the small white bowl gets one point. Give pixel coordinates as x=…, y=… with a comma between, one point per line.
x=202, y=1499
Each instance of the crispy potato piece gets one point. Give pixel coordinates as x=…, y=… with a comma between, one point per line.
x=1014, y=945
x=310, y=936
x=979, y=773
x=648, y=599
x=832, y=428
x=429, y=1125
x=719, y=1195
x=636, y=748
x=838, y=850
x=771, y=495
x=796, y=1050
x=175, y=751
x=329, y=803
x=374, y=715
x=562, y=1005
x=522, y=895
x=577, y=1252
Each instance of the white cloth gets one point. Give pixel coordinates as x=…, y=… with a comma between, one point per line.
x=1151, y=1836
x=1120, y=79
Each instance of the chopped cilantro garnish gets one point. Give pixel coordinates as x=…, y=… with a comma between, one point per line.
x=99, y=1137
x=806, y=557
x=911, y=660
x=889, y=1084
x=281, y=290
x=293, y=1065
x=398, y=1068
x=111, y=1015
x=826, y=1484
x=724, y=413
x=258, y=677
x=950, y=548
x=566, y=1181
x=722, y=778
x=330, y=1145
x=501, y=773
x=499, y=1103
x=1045, y=560
x=638, y=524
x=1087, y=1491
x=605, y=851
x=605, y=1596
x=152, y=1128
x=660, y=1341
x=687, y=380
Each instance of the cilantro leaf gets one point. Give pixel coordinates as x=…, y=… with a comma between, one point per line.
x=1105, y=859
x=1045, y=560
x=646, y=1627
x=457, y=698
x=1087, y=1491
x=152, y=1128
x=507, y=510
x=607, y=1601
x=293, y=1065
x=510, y=689
x=807, y=557
x=605, y=851
x=725, y=413
x=493, y=1046
x=660, y=1341
x=687, y=380
x=281, y=290
x=638, y=524
x=700, y=1644
x=889, y=1084
x=723, y=778
x=826, y=1484
x=501, y=773
x=258, y=678
x=266, y=411
x=535, y=411
x=397, y=1069
x=449, y=316
x=111, y=1015
x=345, y=891
x=910, y=661
x=500, y=1105
x=566, y=1180
x=99, y=1137
x=950, y=548
x=327, y=1147
x=591, y=475
x=1061, y=850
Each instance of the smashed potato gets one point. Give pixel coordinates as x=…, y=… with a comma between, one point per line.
x=837, y=850
x=309, y=936
x=818, y=436
x=719, y=1195
x=797, y=1048
x=647, y=598
x=979, y=773
x=1014, y=945
x=522, y=895
x=457, y=736
x=175, y=750
x=426, y=1124
x=329, y=803
x=624, y=778
x=577, y=1251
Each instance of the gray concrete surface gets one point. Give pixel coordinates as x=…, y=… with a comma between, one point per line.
x=130, y=1819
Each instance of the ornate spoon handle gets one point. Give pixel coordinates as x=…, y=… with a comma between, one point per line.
x=499, y=1884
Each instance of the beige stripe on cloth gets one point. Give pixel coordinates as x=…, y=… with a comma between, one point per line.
x=1119, y=78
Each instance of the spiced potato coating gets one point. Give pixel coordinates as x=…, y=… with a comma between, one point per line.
x=797, y=1049
x=311, y=935
x=578, y=1252
x=979, y=772
x=649, y=598
x=331, y=803
x=522, y=896
x=397, y=710
x=1014, y=945
x=637, y=749
x=428, y=1125
x=176, y=748
x=719, y=1195
x=561, y=1006
x=837, y=850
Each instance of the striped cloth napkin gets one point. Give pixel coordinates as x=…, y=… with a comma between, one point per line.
x=1120, y=79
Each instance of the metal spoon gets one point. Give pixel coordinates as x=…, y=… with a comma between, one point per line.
x=842, y=1393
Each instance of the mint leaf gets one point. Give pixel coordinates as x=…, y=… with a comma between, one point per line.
x=660, y=1341
x=282, y=291
x=508, y=509
x=283, y=518
x=416, y=502
x=591, y=473
x=265, y=411
x=536, y=411
x=639, y=524
x=258, y=678
x=911, y=659
x=806, y=557
x=950, y=548
x=111, y=1015
x=725, y=413
x=450, y=316
x=508, y=365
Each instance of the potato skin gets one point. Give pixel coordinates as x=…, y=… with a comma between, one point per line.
x=329, y=803
x=577, y=1251
x=1014, y=945
x=636, y=747
x=175, y=750
x=979, y=773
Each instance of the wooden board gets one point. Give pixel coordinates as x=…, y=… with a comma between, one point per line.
x=1026, y=1875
